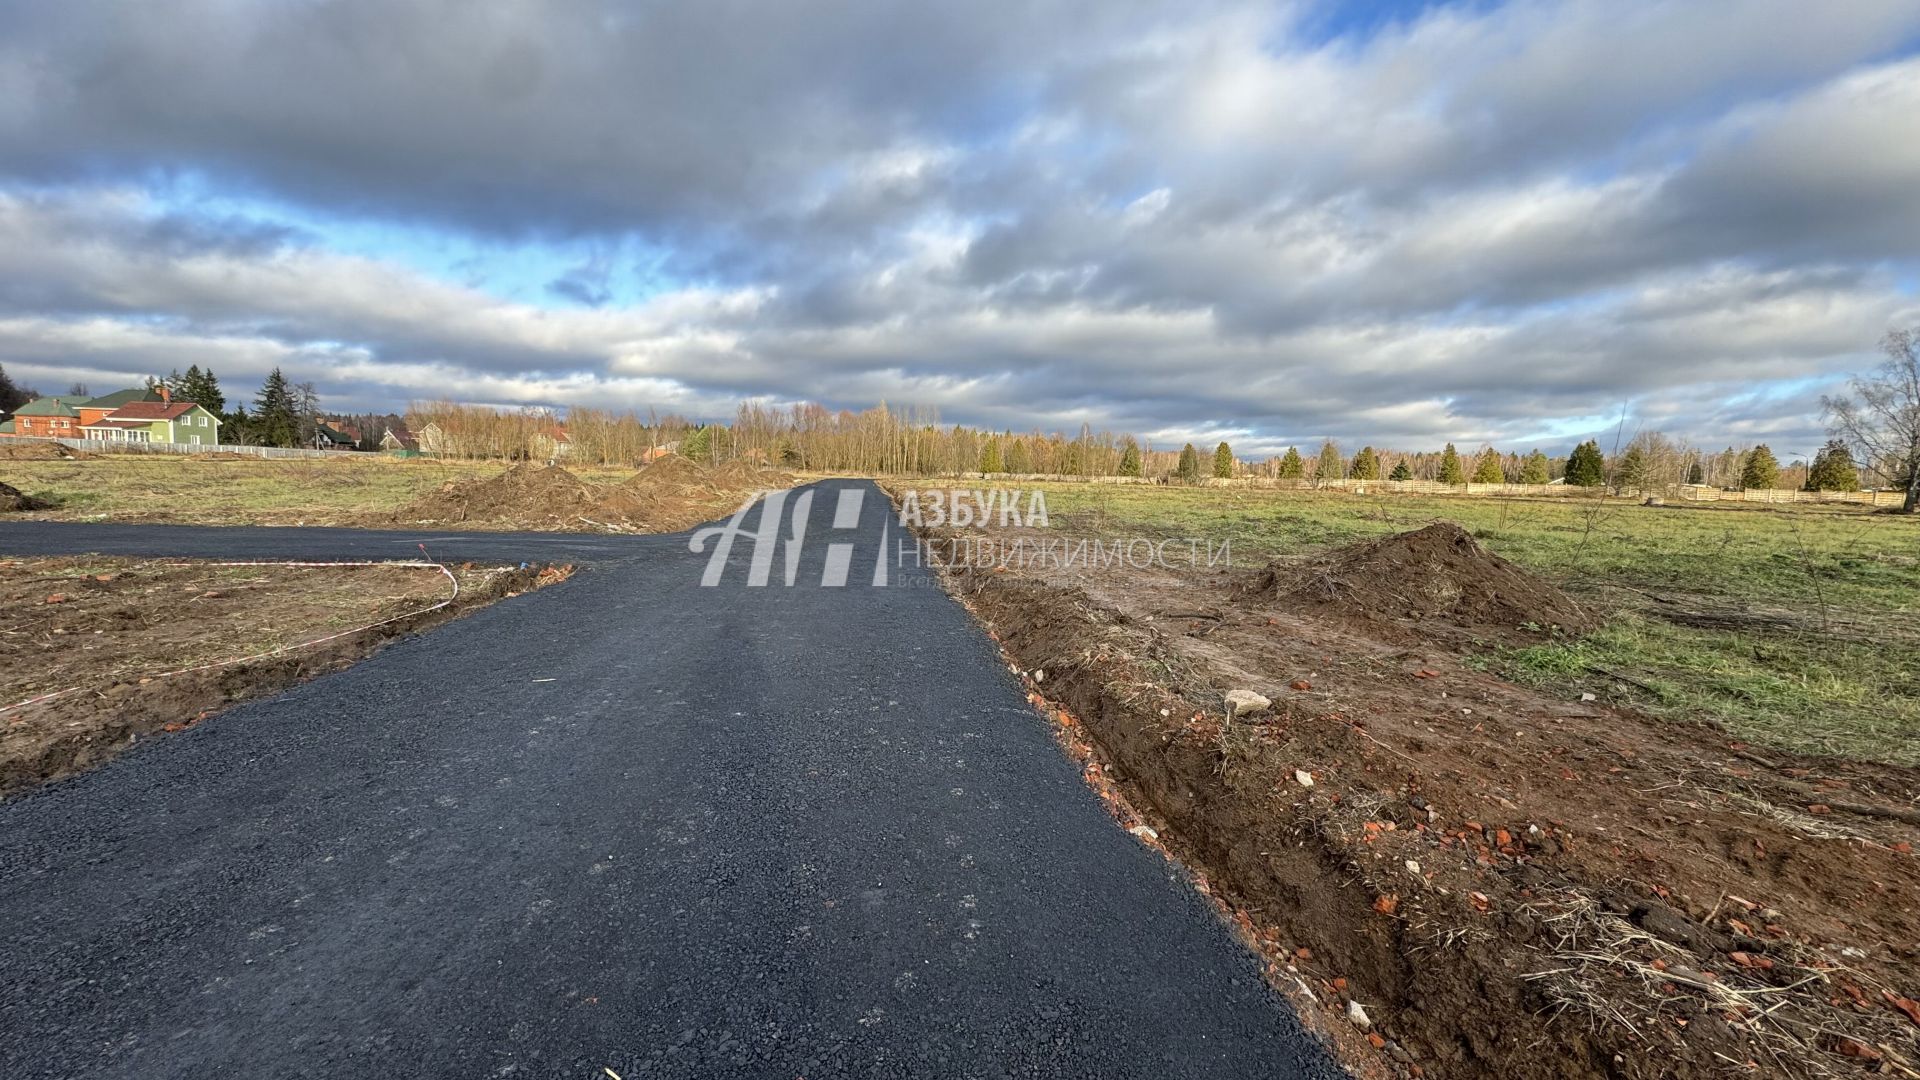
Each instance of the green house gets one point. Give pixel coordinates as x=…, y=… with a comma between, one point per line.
x=156, y=421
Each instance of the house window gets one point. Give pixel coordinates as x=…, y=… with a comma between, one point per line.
x=196, y=440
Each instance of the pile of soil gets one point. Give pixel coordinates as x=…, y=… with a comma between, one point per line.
x=1506, y=883
x=526, y=496
x=1432, y=580
x=668, y=495
x=13, y=499
x=38, y=450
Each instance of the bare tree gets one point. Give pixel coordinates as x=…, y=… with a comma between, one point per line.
x=1885, y=421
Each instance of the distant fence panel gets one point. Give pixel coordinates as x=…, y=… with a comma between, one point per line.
x=116, y=446
x=1686, y=492
x=1694, y=493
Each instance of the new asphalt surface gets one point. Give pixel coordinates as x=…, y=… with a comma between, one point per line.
x=630, y=823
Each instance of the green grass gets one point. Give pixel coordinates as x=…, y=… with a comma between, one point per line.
x=1842, y=678
x=342, y=491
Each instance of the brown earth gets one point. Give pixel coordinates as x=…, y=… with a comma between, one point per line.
x=1509, y=884
x=1436, y=580
x=113, y=628
x=39, y=450
x=665, y=496
x=13, y=500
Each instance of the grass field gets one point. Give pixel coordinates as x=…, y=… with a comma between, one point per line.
x=1798, y=629
x=209, y=491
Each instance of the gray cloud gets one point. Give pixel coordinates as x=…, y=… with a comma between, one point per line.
x=1489, y=224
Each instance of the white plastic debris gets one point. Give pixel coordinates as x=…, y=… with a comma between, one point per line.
x=1357, y=1013
x=1145, y=832
x=1588, y=697
x=1413, y=867
x=1303, y=777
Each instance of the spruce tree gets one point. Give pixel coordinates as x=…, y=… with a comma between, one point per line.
x=1833, y=469
x=1761, y=469
x=1018, y=460
x=1223, y=462
x=275, y=421
x=1695, y=474
x=1585, y=467
x=1328, y=465
x=990, y=458
x=1536, y=469
x=1292, y=466
x=1130, y=458
x=12, y=395
x=1450, y=469
x=1366, y=465
x=1189, y=469
x=1401, y=471
x=1488, y=470
x=1632, y=471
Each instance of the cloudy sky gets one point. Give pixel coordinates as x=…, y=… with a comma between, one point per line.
x=1393, y=222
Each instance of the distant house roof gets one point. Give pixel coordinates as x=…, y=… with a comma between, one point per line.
x=113, y=423
x=401, y=437
x=332, y=434
x=122, y=397
x=52, y=406
x=153, y=410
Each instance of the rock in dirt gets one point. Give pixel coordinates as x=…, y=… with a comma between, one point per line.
x=1245, y=702
x=13, y=499
x=1357, y=1015
x=1437, y=580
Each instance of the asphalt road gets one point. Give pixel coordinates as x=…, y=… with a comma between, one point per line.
x=627, y=822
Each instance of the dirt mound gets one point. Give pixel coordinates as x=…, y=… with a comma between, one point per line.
x=666, y=496
x=37, y=450
x=748, y=476
x=672, y=473
x=525, y=496
x=12, y=499
x=1432, y=580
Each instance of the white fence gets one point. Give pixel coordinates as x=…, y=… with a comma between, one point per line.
x=118, y=446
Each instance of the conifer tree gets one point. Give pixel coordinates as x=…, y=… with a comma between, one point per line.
x=1401, y=471
x=1292, y=465
x=1833, y=469
x=1632, y=470
x=1488, y=470
x=1189, y=469
x=990, y=458
x=1328, y=465
x=1536, y=469
x=1761, y=469
x=1450, y=470
x=275, y=422
x=1695, y=474
x=1018, y=460
x=1585, y=467
x=12, y=395
x=1366, y=465
x=1130, y=458
x=1223, y=462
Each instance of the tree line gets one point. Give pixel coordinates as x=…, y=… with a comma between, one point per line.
x=1881, y=418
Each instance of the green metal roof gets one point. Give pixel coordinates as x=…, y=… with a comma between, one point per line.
x=52, y=406
x=121, y=397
